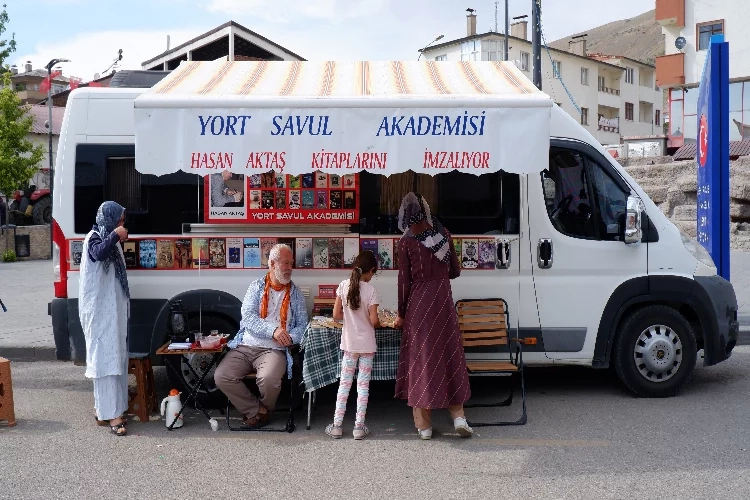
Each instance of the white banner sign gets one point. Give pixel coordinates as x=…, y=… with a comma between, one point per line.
x=342, y=140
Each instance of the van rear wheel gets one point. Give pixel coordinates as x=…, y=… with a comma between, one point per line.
x=655, y=352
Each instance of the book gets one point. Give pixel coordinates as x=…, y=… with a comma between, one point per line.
x=350, y=200
x=147, y=254
x=217, y=249
x=268, y=180
x=349, y=181
x=280, y=181
x=337, y=200
x=320, y=253
x=267, y=198
x=308, y=180
x=335, y=253
x=251, y=254
x=370, y=245
x=295, y=199
x=234, y=253
x=395, y=253
x=295, y=182
x=255, y=199
x=334, y=181
x=326, y=291
x=281, y=199
x=321, y=200
x=76, y=252
x=130, y=252
x=486, y=254
x=165, y=254
x=183, y=254
x=266, y=244
x=255, y=180
x=321, y=180
x=385, y=253
x=457, y=246
x=470, y=255
x=290, y=242
x=304, y=253
x=200, y=253
x=351, y=250
x=308, y=199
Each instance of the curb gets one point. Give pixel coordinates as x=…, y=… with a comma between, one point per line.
x=29, y=353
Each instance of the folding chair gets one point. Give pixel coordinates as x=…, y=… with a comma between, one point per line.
x=294, y=383
x=484, y=322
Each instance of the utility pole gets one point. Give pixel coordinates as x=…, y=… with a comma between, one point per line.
x=507, y=28
x=536, y=42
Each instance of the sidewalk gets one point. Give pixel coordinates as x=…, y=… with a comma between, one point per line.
x=26, y=289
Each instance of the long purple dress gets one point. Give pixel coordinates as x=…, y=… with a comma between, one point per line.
x=432, y=367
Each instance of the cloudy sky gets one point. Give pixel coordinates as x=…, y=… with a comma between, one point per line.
x=90, y=32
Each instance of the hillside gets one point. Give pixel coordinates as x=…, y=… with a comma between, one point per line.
x=638, y=38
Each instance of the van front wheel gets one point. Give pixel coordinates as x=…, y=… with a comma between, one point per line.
x=655, y=352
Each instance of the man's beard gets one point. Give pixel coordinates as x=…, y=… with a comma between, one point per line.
x=279, y=274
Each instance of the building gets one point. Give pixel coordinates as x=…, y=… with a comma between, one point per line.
x=616, y=96
x=27, y=83
x=230, y=40
x=39, y=135
x=692, y=23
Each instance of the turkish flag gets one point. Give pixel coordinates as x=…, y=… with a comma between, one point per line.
x=74, y=83
x=47, y=82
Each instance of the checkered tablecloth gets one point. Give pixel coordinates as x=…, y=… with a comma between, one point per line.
x=322, y=365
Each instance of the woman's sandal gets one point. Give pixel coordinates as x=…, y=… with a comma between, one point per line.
x=104, y=423
x=119, y=429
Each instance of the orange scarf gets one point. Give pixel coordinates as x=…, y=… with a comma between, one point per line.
x=284, y=301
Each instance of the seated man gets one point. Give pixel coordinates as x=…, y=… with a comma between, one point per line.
x=274, y=316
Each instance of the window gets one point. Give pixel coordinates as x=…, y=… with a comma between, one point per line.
x=124, y=183
x=584, y=116
x=444, y=57
x=524, y=61
x=629, y=75
x=492, y=50
x=602, y=85
x=584, y=76
x=556, y=69
x=583, y=199
x=629, y=111
x=706, y=31
x=657, y=117
x=470, y=50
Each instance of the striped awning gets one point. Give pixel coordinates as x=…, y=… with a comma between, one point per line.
x=383, y=116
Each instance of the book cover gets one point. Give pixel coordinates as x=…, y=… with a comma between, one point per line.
x=385, y=253
x=234, y=253
x=321, y=200
x=337, y=200
x=165, y=254
x=308, y=180
x=350, y=200
x=486, y=254
x=295, y=182
x=147, y=254
x=76, y=252
x=336, y=253
x=267, y=200
x=130, y=252
x=320, y=253
x=349, y=181
x=252, y=253
x=217, y=248
x=470, y=255
x=266, y=244
x=183, y=254
x=281, y=199
x=280, y=181
x=334, y=181
x=200, y=253
x=288, y=242
x=304, y=257
x=308, y=199
x=370, y=245
x=255, y=199
x=268, y=180
x=457, y=246
x=295, y=199
x=395, y=254
x=255, y=181
x=351, y=250
x=321, y=180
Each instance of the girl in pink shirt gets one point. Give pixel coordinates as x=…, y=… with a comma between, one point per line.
x=357, y=304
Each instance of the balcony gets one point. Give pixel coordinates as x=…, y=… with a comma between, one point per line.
x=610, y=97
x=670, y=70
x=670, y=13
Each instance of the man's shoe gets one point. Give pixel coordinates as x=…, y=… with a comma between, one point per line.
x=258, y=421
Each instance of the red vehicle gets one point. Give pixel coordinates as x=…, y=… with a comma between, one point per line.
x=30, y=206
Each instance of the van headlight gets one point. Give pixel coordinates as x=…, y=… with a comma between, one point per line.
x=697, y=250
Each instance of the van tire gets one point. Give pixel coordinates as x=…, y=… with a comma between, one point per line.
x=214, y=398
x=679, y=344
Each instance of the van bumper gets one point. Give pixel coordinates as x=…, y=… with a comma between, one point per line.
x=718, y=318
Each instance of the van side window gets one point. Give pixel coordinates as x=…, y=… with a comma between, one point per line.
x=124, y=184
x=581, y=197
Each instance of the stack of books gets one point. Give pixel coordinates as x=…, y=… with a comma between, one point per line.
x=325, y=300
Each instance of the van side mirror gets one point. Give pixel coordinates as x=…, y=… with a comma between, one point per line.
x=633, y=218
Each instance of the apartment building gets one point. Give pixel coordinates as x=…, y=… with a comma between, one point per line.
x=615, y=97
x=688, y=26
x=27, y=83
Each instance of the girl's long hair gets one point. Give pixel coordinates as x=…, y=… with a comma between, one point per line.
x=364, y=262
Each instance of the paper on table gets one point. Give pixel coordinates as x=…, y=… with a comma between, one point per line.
x=179, y=346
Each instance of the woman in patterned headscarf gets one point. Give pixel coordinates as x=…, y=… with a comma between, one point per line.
x=104, y=309
x=431, y=367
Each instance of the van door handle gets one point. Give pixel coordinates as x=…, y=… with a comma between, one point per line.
x=544, y=253
x=503, y=254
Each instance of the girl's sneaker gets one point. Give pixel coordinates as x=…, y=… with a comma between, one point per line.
x=334, y=431
x=462, y=427
x=360, y=431
x=425, y=434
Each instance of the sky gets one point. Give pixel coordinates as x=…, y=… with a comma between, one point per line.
x=90, y=32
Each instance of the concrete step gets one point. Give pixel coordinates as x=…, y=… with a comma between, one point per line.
x=687, y=213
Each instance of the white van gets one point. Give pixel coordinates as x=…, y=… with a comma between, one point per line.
x=593, y=272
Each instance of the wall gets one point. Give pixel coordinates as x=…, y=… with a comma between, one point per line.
x=39, y=241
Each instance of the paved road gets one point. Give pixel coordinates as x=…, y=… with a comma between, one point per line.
x=26, y=288
x=585, y=439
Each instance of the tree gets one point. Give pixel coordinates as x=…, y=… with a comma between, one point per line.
x=19, y=157
x=7, y=47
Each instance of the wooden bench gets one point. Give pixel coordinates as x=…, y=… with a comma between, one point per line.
x=484, y=323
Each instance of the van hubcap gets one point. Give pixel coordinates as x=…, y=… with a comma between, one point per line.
x=199, y=363
x=658, y=353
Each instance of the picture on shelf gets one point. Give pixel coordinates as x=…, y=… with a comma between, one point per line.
x=183, y=254
x=234, y=253
x=281, y=199
x=304, y=251
x=252, y=253
x=280, y=181
x=200, y=253
x=320, y=253
x=350, y=200
x=130, y=252
x=227, y=195
x=268, y=180
x=217, y=252
x=308, y=180
x=486, y=254
x=295, y=199
x=321, y=198
x=165, y=254
x=255, y=181
x=308, y=199
x=295, y=182
x=336, y=253
x=321, y=180
x=267, y=198
x=336, y=200
x=266, y=244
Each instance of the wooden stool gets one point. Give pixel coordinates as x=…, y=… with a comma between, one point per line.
x=143, y=401
x=6, y=394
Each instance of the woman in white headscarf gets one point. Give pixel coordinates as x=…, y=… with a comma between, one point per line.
x=431, y=367
x=104, y=309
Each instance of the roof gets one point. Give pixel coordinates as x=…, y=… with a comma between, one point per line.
x=736, y=148
x=216, y=30
x=492, y=33
x=40, y=73
x=607, y=56
x=40, y=114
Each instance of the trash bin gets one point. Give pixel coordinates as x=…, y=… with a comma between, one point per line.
x=23, y=246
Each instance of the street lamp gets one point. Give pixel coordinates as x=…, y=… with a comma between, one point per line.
x=50, y=65
x=425, y=47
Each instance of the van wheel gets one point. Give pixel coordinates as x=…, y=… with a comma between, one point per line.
x=655, y=352
x=190, y=367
